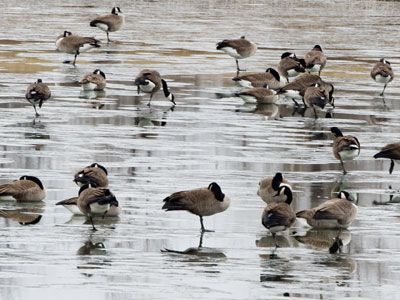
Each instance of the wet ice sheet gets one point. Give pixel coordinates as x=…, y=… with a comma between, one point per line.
x=152, y=153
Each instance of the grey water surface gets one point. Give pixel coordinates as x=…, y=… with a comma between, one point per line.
x=209, y=136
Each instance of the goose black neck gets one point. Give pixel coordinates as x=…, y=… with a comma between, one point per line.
x=165, y=88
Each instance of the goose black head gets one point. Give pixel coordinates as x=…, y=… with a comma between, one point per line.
x=242, y=37
x=39, y=80
x=96, y=165
x=317, y=47
x=216, y=189
x=336, y=131
x=34, y=179
x=276, y=181
x=285, y=190
x=99, y=72
x=344, y=195
x=116, y=10
x=274, y=73
x=382, y=60
x=288, y=54
x=67, y=33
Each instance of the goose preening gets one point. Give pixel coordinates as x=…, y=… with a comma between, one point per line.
x=201, y=202
x=279, y=216
x=319, y=95
x=72, y=205
x=95, y=201
x=75, y=44
x=382, y=73
x=94, y=174
x=37, y=93
x=270, y=77
x=290, y=65
x=315, y=60
x=26, y=188
x=94, y=81
x=268, y=188
x=296, y=89
x=335, y=213
x=260, y=95
x=150, y=81
x=238, y=49
x=344, y=147
x=110, y=22
x=392, y=152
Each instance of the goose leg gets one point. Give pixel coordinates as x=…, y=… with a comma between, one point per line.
x=73, y=63
x=91, y=220
x=37, y=115
x=148, y=104
x=237, y=67
x=344, y=170
x=391, y=166
x=202, y=226
x=381, y=94
x=276, y=244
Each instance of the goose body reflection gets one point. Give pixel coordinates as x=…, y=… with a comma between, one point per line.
x=22, y=216
x=325, y=239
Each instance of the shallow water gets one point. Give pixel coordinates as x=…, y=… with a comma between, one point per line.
x=209, y=136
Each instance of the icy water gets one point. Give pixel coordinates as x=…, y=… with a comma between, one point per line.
x=209, y=136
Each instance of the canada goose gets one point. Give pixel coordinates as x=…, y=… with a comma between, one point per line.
x=201, y=202
x=382, y=73
x=150, y=81
x=75, y=44
x=110, y=22
x=22, y=216
x=391, y=151
x=72, y=205
x=319, y=95
x=26, y=188
x=37, y=93
x=315, y=60
x=270, y=77
x=94, y=174
x=279, y=216
x=344, y=147
x=238, y=49
x=260, y=95
x=290, y=65
x=297, y=88
x=94, y=81
x=95, y=201
x=335, y=213
x=268, y=188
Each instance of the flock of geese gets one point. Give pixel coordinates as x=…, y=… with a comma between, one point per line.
x=95, y=198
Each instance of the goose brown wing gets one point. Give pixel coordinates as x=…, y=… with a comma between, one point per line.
x=391, y=151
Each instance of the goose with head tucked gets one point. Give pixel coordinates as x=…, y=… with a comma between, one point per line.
x=290, y=65
x=37, y=93
x=335, y=213
x=318, y=96
x=201, y=202
x=94, y=81
x=344, y=147
x=72, y=205
x=150, y=81
x=110, y=22
x=26, y=188
x=382, y=73
x=270, y=77
x=238, y=49
x=75, y=44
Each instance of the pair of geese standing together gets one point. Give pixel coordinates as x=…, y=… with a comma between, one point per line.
x=264, y=87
